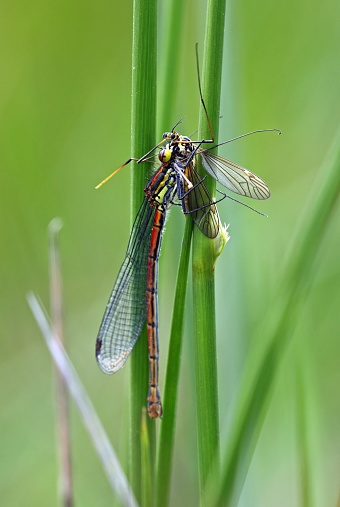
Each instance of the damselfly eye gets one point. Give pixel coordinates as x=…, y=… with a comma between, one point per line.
x=164, y=155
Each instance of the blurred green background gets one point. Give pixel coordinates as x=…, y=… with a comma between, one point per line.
x=65, y=124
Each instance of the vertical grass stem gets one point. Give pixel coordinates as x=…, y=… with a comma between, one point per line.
x=143, y=125
x=204, y=258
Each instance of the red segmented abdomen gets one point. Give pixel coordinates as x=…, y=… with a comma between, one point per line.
x=154, y=398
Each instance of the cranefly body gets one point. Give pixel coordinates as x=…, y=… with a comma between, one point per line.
x=232, y=176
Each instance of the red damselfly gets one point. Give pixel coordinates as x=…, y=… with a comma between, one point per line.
x=127, y=309
x=134, y=297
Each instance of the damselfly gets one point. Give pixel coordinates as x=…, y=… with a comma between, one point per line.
x=134, y=296
x=127, y=309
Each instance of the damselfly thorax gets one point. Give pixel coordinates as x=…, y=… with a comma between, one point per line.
x=161, y=187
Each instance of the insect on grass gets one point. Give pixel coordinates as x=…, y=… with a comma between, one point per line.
x=134, y=298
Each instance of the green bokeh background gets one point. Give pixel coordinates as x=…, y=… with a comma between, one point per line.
x=65, y=124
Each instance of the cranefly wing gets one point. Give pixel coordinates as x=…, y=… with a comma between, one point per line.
x=199, y=204
x=126, y=310
x=234, y=177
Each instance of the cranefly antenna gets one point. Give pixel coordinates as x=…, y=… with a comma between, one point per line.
x=208, y=119
x=243, y=135
x=201, y=95
x=179, y=121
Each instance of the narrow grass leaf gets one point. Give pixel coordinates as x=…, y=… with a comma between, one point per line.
x=302, y=437
x=62, y=411
x=107, y=455
x=143, y=126
x=167, y=429
x=171, y=44
x=147, y=490
x=204, y=258
x=277, y=329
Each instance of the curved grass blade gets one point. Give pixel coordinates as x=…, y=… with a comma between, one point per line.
x=277, y=328
x=100, y=440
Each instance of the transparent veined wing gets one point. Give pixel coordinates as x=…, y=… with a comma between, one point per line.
x=234, y=177
x=199, y=204
x=125, y=312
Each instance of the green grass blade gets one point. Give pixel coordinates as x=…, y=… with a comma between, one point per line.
x=171, y=44
x=167, y=430
x=303, y=440
x=205, y=252
x=62, y=401
x=277, y=329
x=144, y=80
x=143, y=127
x=169, y=83
x=97, y=434
x=147, y=496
